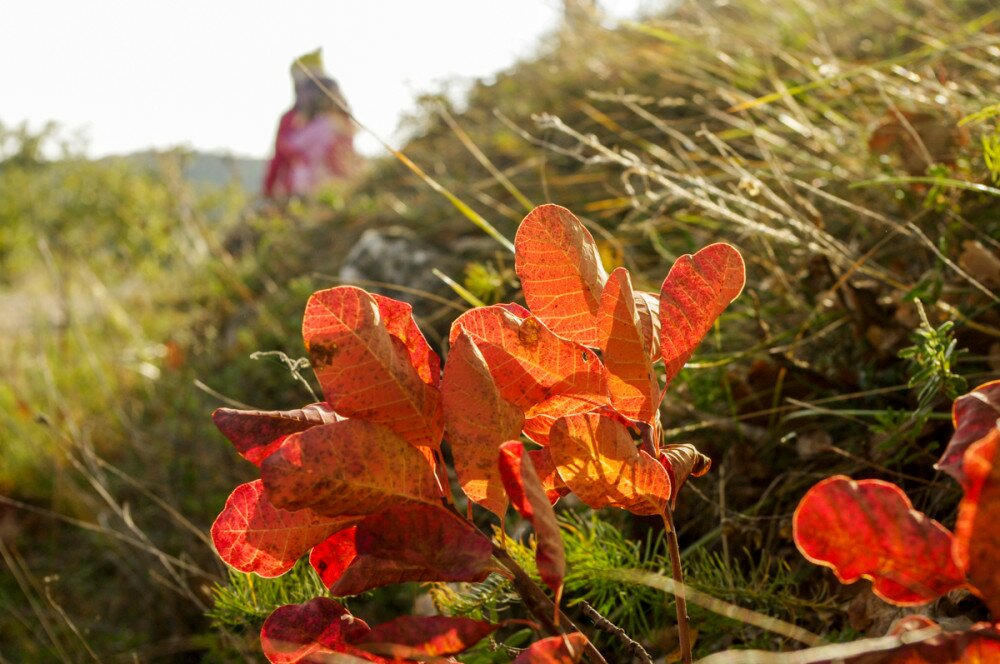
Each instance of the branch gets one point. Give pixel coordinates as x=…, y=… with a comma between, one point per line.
x=540, y=606
x=633, y=647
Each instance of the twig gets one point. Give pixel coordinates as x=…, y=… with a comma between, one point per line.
x=633, y=647
x=540, y=606
x=680, y=602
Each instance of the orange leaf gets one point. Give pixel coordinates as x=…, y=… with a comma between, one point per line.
x=561, y=272
x=256, y=434
x=544, y=375
x=252, y=535
x=974, y=415
x=348, y=467
x=869, y=529
x=398, y=320
x=311, y=632
x=367, y=370
x=564, y=649
x=647, y=306
x=420, y=637
x=531, y=502
x=681, y=462
x=402, y=544
x=599, y=462
x=697, y=289
x=632, y=381
x=477, y=420
x=977, y=538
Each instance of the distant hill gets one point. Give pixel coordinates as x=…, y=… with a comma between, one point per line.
x=215, y=169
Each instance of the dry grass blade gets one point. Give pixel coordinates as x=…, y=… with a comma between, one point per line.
x=705, y=601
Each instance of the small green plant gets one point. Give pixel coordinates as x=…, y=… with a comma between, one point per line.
x=932, y=359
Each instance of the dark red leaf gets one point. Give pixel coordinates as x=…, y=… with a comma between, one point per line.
x=419, y=637
x=681, y=462
x=414, y=543
x=600, y=463
x=477, y=420
x=544, y=375
x=697, y=289
x=635, y=392
x=974, y=414
x=529, y=498
x=548, y=474
x=308, y=632
x=565, y=649
x=256, y=434
x=561, y=272
x=977, y=537
x=252, y=535
x=869, y=529
x=366, y=370
x=334, y=555
x=348, y=467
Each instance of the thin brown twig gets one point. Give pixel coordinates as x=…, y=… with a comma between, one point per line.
x=541, y=607
x=632, y=646
x=680, y=601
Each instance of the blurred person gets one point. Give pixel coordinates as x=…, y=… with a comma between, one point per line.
x=314, y=146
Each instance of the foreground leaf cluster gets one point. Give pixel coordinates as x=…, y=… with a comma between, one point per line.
x=359, y=482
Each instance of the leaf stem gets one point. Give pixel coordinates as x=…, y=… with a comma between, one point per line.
x=541, y=607
x=683, y=626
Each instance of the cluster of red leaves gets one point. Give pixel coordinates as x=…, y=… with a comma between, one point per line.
x=869, y=529
x=359, y=480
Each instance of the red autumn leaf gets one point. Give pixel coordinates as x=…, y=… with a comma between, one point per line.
x=308, y=632
x=419, y=637
x=974, y=415
x=368, y=372
x=565, y=649
x=529, y=498
x=548, y=474
x=977, y=538
x=681, y=462
x=697, y=289
x=632, y=381
x=599, y=462
x=398, y=320
x=256, y=434
x=477, y=420
x=334, y=555
x=870, y=529
x=348, y=467
x=252, y=535
x=544, y=375
x=561, y=272
x=647, y=306
x=403, y=544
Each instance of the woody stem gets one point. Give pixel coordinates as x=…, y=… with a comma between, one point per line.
x=683, y=627
x=540, y=606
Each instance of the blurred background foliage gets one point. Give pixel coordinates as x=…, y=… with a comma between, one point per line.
x=848, y=148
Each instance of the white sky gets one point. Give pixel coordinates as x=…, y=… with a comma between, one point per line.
x=213, y=74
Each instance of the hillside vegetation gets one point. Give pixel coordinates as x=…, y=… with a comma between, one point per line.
x=851, y=151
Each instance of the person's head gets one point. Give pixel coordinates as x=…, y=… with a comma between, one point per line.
x=307, y=66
